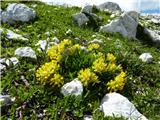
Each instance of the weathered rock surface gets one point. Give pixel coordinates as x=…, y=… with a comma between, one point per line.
x=74, y=87
x=87, y=9
x=25, y=52
x=146, y=57
x=155, y=37
x=111, y=6
x=7, y=62
x=114, y=104
x=6, y=100
x=134, y=15
x=125, y=25
x=80, y=19
x=17, y=13
x=11, y=35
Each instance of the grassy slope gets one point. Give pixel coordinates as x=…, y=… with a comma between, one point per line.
x=142, y=77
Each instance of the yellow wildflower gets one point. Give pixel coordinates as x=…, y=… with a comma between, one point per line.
x=57, y=80
x=46, y=70
x=99, y=64
x=93, y=46
x=111, y=67
x=87, y=77
x=74, y=48
x=55, y=52
x=118, y=83
x=111, y=57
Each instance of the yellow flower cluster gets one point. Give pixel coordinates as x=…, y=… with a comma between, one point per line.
x=46, y=71
x=111, y=57
x=55, y=52
x=57, y=80
x=87, y=76
x=73, y=48
x=118, y=83
x=49, y=72
x=93, y=46
x=99, y=64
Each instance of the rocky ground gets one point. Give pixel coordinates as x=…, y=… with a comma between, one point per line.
x=95, y=62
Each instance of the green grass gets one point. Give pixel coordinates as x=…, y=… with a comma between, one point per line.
x=142, y=77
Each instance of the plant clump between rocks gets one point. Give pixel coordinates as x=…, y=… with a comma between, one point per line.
x=97, y=66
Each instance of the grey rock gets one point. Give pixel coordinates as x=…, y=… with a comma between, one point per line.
x=99, y=41
x=114, y=104
x=2, y=66
x=155, y=37
x=13, y=61
x=134, y=15
x=42, y=44
x=146, y=57
x=6, y=100
x=125, y=25
x=94, y=17
x=74, y=87
x=25, y=52
x=17, y=12
x=111, y=6
x=80, y=19
x=55, y=40
x=11, y=35
x=87, y=117
x=87, y=9
x=8, y=62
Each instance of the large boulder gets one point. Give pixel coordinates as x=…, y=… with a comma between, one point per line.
x=114, y=104
x=17, y=13
x=125, y=25
x=109, y=6
x=135, y=15
x=155, y=37
x=80, y=19
x=74, y=87
x=25, y=52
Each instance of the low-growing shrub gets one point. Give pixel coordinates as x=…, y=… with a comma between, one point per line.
x=88, y=63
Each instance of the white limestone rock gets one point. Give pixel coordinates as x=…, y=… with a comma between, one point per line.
x=80, y=19
x=6, y=100
x=114, y=104
x=146, y=57
x=11, y=35
x=25, y=52
x=110, y=6
x=87, y=117
x=8, y=62
x=17, y=12
x=42, y=44
x=74, y=87
x=99, y=41
x=155, y=37
x=125, y=25
x=87, y=9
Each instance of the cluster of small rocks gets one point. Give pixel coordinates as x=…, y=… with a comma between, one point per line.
x=126, y=24
x=152, y=18
x=86, y=16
